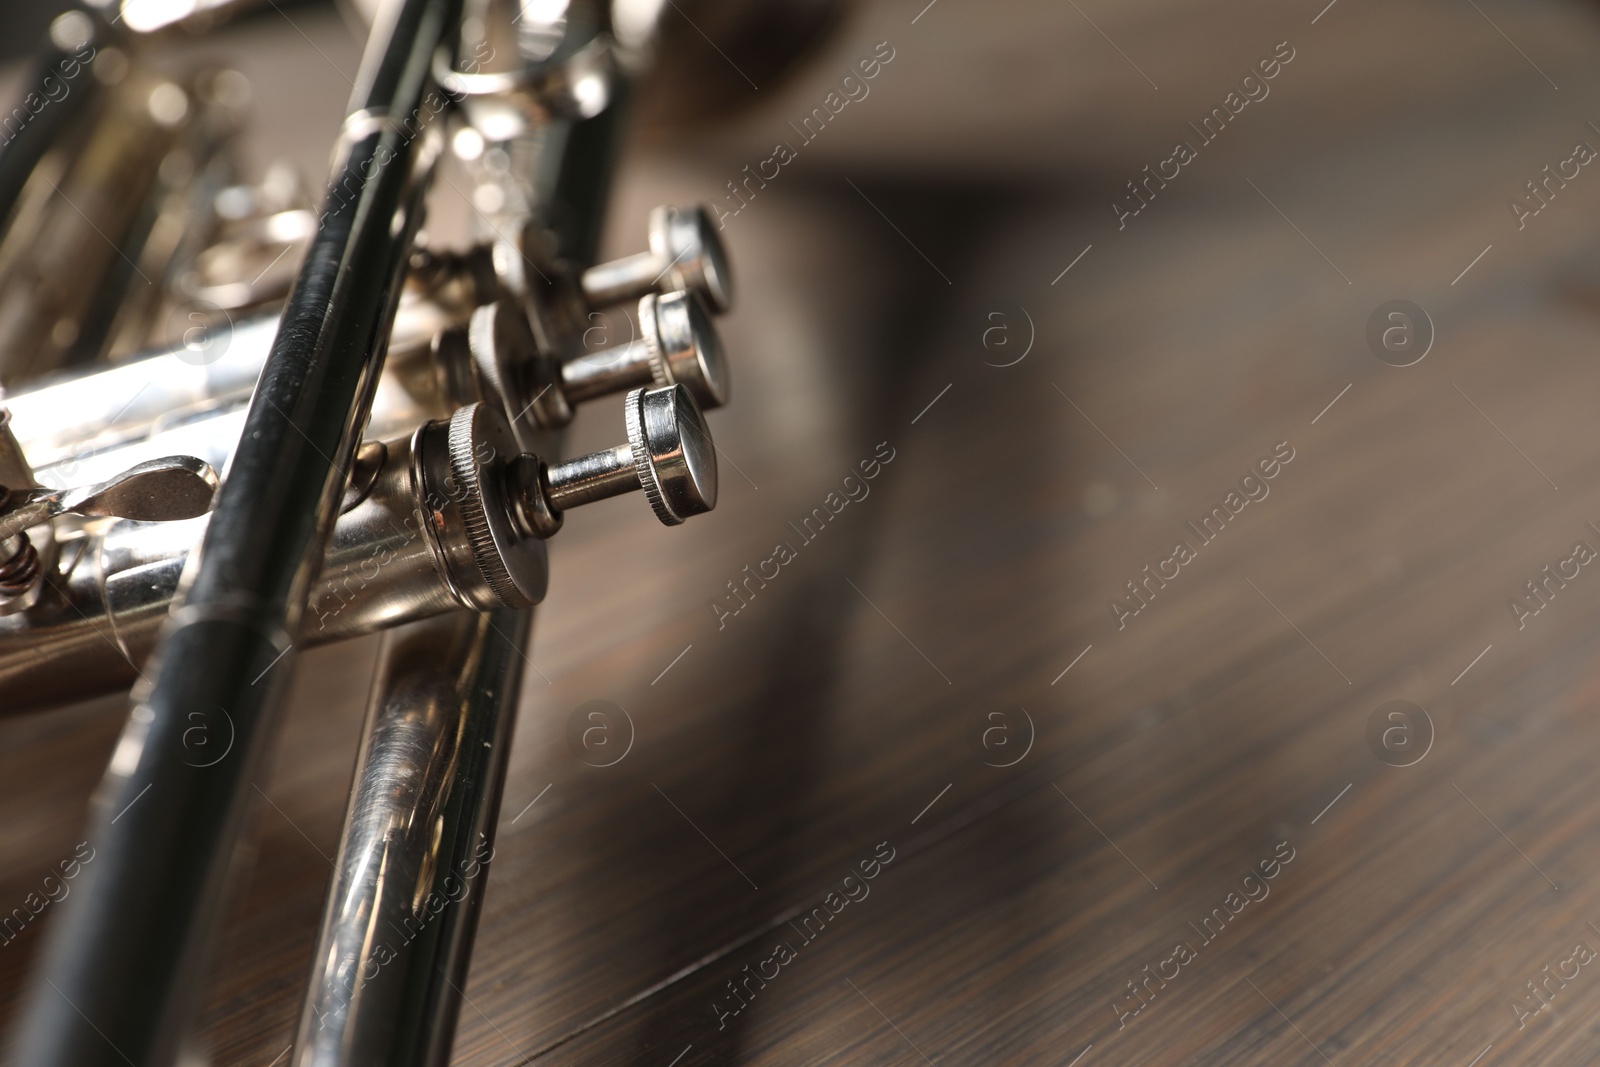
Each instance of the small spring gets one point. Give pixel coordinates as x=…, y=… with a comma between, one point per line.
x=19, y=573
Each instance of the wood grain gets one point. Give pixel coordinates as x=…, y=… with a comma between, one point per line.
x=1177, y=753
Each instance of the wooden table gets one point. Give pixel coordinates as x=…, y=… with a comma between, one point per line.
x=1104, y=897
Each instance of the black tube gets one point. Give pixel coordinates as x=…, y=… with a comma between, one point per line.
x=583, y=184
x=123, y=967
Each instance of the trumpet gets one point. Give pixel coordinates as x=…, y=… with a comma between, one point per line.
x=314, y=423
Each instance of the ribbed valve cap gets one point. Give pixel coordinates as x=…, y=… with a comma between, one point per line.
x=672, y=452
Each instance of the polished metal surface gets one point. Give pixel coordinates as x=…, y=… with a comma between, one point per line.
x=497, y=357
x=365, y=1005
x=672, y=453
x=75, y=413
x=104, y=202
x=685, y=253
x=507, y=94
x=419, y=835
x=669, y=455
x=679, y=344
x=114, y=584
x=626, y=366
x=464, y=468
x=157, y=490
x=130, y=949
x=511, y=367
x=454, y=516
x=209, y=435
x=596, y=476
x=92, y=630
x=380, y=569
x=82, y=413
x=16, y=472
x=685, y=344
x=123, y=579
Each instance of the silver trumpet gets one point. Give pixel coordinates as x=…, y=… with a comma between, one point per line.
x=313, y=424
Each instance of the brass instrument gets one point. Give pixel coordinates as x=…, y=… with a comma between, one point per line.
x=235, y=424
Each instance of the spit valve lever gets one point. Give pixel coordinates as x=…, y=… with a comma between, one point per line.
x=158, y=490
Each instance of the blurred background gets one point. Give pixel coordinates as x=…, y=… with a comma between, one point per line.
x=1067, y=343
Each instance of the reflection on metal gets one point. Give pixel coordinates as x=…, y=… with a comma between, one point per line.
x=103, y=200
x=386, y=419
x=131, y=951
x=487, y=344
x=419, y=834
